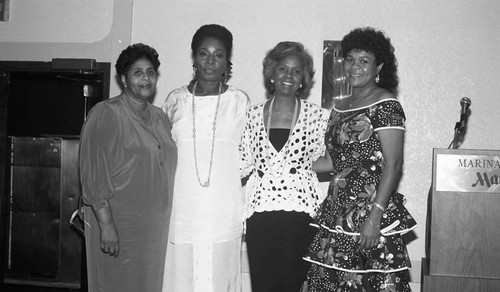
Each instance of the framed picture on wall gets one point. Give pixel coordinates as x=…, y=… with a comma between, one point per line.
x=335, y=85
x=4, y=10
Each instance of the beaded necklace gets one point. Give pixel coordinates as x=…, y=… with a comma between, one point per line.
x=278, y=172
x=206, y=184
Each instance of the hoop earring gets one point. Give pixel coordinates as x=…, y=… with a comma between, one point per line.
x=227, y=73
x=225, y=77
x=195, y=69
x=377, y=78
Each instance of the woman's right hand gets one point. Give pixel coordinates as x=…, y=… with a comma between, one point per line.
x=369, y=236
x=110, y=242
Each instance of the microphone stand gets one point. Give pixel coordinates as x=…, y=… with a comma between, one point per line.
x=458, y=134
x=460, y=126
x=460, y=130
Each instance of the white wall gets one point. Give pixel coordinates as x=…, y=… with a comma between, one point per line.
x=57, y=21
x=446, y=49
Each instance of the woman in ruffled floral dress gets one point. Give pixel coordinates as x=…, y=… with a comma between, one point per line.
x=359, y=245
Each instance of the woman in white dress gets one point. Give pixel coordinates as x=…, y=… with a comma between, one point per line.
x=208, y=117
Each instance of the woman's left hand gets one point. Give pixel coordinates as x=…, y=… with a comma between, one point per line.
x=370, y=235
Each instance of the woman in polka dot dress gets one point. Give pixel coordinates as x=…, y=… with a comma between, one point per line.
x=281, y=139
x=358, y=245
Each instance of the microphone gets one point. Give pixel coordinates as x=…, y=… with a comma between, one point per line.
x=464, y=111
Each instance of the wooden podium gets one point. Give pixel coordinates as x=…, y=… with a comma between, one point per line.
x=463, y=238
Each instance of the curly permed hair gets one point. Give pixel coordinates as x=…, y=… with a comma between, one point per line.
x=371, y=40
x=133, y=53
x=278, y=53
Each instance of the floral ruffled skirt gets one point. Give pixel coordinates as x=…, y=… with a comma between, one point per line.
x=338, y=263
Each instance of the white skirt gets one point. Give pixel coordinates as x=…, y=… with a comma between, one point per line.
x=203, y=267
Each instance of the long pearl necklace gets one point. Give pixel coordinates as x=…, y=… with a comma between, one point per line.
x=205, y=184
x=278, y=172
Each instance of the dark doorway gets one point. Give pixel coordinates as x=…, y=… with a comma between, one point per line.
x=43, y=106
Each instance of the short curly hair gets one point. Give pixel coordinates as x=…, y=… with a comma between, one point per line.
x=133, y=53
x=278, y=53
x=216, y=31
x=374, y=41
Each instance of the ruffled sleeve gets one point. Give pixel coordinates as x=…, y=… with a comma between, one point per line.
x=98, y=138
x=388, y=114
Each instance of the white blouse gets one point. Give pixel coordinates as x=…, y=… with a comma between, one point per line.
x=214, y=213
x=283, y=180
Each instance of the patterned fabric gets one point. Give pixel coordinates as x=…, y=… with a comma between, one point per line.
x=283, y=180
x=354, y=145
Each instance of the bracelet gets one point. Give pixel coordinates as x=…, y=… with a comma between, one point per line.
x=379, y=206
x=370, y=221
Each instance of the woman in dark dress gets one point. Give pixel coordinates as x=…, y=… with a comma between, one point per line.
x=358, y=246
x=127, y=165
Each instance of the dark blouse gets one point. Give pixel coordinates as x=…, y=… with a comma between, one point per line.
x=278, y=138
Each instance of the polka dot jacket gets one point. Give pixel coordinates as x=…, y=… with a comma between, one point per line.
x=283, y=180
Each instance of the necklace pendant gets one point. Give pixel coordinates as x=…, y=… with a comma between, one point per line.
x=206, y=184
